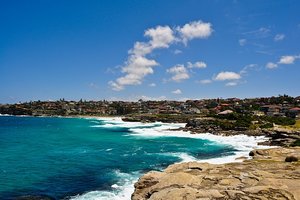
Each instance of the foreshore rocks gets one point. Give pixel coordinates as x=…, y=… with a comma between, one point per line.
x=271, y=174
x=214, y=126
x=156, y=118
x=276, y=137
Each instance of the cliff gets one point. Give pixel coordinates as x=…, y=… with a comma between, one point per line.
x=271, y=174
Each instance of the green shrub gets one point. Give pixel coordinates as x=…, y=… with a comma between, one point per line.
x=296, y=143
x=267, y=125
x=284, y=121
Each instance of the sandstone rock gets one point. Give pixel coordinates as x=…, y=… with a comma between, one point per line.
x=266, y=176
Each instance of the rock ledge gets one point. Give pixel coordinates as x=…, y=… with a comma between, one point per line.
x=266, y=176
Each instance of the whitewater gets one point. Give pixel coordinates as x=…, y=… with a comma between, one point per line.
x=123, y=189
x=99, y=158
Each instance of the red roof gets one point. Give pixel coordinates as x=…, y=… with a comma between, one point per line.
x=295, y=109
x=225, y=104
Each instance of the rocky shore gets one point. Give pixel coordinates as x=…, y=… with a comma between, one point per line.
x=196, y=125
x=276, y=136
x=271, y=174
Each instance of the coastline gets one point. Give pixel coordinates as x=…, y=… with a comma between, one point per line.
x=172, y=130
x=178, y=130
x=246, y=144
x=270, y=174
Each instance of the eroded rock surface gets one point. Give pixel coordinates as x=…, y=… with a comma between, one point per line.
x=266, y=176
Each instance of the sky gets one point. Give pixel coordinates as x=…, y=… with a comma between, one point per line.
x=148, y=49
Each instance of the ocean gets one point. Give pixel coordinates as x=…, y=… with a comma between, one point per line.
x=98, y=158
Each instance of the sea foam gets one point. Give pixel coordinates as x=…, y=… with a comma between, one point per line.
x=123, y=189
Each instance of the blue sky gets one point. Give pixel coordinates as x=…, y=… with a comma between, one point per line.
x=127, y=50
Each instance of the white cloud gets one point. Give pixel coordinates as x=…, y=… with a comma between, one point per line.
x=147, y=98
x=286, y=60
x=205, y=81
x=136, y=69
x=223, y=76
x=198, y=64
x=177, y=51
x=161, y=36
x=179, y=73
x=178, y=91
x=138, y=65
x=230, y=84
x=133, y=98
x=259, y=33
x=248, y=67
x=152, y=85
x=115, y=86
x=279, y=37
x=271, y=65
x=195, y=29
x=242, y=42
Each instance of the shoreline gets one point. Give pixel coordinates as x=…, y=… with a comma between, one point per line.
x=167, y=131
x=242, y=153
x=270, y=174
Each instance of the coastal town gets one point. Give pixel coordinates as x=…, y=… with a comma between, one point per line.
x=269, y=116
x=275, y=118
x=280, y=106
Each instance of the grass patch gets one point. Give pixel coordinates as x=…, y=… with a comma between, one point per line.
x=295, y=127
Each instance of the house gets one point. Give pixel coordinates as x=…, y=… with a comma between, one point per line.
x=272, y=110
x=294, y=112
x=258, y=113
x=194, y=110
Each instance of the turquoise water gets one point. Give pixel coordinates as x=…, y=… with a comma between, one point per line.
x=65, y=157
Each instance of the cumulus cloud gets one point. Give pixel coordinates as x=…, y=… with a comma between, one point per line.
x=198, y=64
x=271, y=65
x=279, y=37
x=152, y=85
x=224, y=76
x=138, y=65
x=205, y=81
x=179, y=73
x=161, y=36
x=136, y=69
x=196, y=29
x=178, y=91
x=284, y=60
x=287, y=60
x=242, y=42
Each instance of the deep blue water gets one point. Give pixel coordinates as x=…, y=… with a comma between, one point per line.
x=64, y=157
